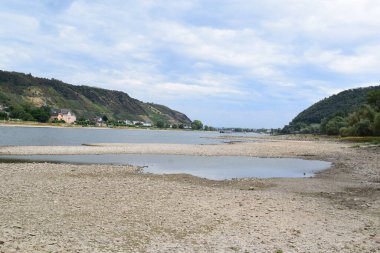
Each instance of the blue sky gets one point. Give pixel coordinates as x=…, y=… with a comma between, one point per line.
x=241, y=63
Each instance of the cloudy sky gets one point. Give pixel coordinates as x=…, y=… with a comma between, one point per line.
x=247, y=63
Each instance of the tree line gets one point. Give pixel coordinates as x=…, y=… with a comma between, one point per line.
x=26, y=112
x=364, y=121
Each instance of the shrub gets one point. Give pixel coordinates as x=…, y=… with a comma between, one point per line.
x=160, y=124
x=347, y=131
x=334, y=125
x=58, y=121
x=376, y=125
x=3, y=115
x=363, y=128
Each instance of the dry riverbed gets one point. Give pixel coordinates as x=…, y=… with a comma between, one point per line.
x=102, y=208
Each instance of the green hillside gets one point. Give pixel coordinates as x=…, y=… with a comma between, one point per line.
x=353, y=112
x=342, y=104
x=18, y=89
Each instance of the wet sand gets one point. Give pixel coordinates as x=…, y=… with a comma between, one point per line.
x=102, y=208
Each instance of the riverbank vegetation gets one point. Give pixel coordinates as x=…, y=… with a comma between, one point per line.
x=362, y=121
x=26, y=112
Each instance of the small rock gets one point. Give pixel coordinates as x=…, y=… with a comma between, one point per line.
x=1, y=242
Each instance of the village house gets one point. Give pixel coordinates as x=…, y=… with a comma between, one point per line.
x=128, y=122
x=137, y=123
x=98, y=121
x=147, y=124
x=63, y=114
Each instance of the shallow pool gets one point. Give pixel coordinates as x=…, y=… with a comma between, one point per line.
x=211, y=167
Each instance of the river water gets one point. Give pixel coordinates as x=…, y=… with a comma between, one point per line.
x=46, y=136
x=211, y=167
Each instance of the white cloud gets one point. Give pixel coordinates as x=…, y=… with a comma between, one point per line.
x=362, y=60
x=223, y=50
x=240, y=48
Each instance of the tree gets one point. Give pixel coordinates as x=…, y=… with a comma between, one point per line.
x=197, y=125
x=363, y=128
x=334, y=125
x=3, y=115
x=160, y=124
x=376, y=125
x=373, y=99
x=41, y=114
x=181, y=126
x=105, y=118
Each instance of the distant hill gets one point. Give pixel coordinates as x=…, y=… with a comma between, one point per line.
x=342, y=103
x=18, y=88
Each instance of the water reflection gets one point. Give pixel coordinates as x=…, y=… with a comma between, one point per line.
x=211, y=167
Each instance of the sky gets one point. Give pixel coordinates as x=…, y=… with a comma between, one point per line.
x=240, y=63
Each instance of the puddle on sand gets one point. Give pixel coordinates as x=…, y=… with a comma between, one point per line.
x=210, y=167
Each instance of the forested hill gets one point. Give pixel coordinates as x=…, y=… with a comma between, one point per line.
x=18, y=89
x=342, y=104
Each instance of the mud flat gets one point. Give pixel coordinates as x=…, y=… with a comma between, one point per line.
x=103, y=208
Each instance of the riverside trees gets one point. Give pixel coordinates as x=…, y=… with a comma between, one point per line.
x=365, y=121
x=197, y=125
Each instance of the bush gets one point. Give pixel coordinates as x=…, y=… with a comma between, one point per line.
x=363, y=113
x=3, y=115
x=160, y=124
x=40, y=114
x=58, y=121
x=363, y=128
x=376, y=125
x=347, y=131
x=334, y=125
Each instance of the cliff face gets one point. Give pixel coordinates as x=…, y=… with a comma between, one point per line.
x=85, y=101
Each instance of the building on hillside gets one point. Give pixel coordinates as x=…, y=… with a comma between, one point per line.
x=140, y=123
x=137, y=123
x=98, y=121
x=147, y=124
x=63, y=114
x=128, y=122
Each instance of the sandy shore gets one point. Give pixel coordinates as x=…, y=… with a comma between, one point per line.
x=101, y=208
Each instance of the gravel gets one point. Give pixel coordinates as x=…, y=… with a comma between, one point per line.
x=104, y=208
